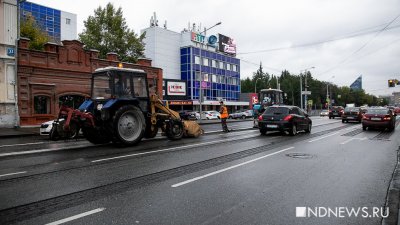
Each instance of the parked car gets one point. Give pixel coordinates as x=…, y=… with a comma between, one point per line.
x=187, y=115
x=379, y=118
x=284, y=118
x=324, y=113
x=46, y=127
x=352, y=114
x=210, y=115
x=335, y=111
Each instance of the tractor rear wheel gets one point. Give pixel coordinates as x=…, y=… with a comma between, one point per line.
x=129, y=125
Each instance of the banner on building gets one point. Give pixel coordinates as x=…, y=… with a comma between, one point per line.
x=357, y=84
x=176, y=88
x=227, y=45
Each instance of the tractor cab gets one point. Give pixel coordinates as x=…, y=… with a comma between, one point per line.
x=113, y=85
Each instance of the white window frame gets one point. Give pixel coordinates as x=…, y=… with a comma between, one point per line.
x=197, y=60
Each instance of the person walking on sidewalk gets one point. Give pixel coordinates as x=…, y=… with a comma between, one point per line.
x=224, y=115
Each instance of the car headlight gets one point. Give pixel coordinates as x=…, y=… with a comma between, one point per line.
x=99, y=106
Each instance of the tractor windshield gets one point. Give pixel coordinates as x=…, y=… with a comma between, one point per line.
x=101, y=87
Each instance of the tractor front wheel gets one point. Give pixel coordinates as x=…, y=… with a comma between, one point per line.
x=129, y=125
x=175, y=129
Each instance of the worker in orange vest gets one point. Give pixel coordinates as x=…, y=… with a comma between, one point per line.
x=224, y=115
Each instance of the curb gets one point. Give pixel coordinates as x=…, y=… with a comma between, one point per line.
x=218, y=121
x=393, y=195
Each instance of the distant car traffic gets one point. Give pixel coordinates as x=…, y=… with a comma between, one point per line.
x=210, y=115
x=335, y=111
x=187, y=115
x=379, y=118
x=352, y=114
x=324, y=113
x=241, y=114
x=284, y=118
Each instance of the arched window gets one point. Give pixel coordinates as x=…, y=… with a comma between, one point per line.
x=73, y=101
x=41, y=104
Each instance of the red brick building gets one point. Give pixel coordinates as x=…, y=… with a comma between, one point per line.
x=63, y=71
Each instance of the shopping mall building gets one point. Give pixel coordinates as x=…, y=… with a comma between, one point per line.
x=195, y=64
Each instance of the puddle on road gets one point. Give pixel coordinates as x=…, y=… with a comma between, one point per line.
x=299, y=155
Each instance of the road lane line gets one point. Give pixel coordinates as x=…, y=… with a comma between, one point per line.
x=170, y=149
x=9, y=174
x=317, y=139
x=360, y=139
x=32, y=143
x=76, y=216
x=228, y=168
x=46, y=150
x=347, y=141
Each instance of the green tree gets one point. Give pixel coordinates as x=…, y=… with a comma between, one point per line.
x=30, y=29
x=107, y=31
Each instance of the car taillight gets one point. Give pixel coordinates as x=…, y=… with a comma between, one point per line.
x=287, y=118
x=260, y=118
x=387, y=117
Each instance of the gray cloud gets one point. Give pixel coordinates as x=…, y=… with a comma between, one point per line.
x=258, y=25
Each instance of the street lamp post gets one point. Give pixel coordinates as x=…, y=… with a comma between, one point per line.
x=255, y=86
x=201, y=75
x=328, y=96
x=305, y=87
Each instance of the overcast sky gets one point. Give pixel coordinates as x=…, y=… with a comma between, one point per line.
x=275, y=32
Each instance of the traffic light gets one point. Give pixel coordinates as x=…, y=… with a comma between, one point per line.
x=391, y=83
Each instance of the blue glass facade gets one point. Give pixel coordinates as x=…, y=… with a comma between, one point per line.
x=218, y=73
x=47, y=18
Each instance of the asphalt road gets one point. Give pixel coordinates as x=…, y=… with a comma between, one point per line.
x=240, y=177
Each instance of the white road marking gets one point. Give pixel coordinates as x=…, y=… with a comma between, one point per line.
x=44, y=150
x=171, y=149
x=32, y=143
x=351, y=139
x=9, y=174
x=76, y=216
x=317, y=139
x=228, y=168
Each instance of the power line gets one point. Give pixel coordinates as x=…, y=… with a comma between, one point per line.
x=363, y=46
x=318, y=42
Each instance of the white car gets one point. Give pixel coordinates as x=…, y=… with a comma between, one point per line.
x=324, y=113
x=210, y=115
x=45, y=128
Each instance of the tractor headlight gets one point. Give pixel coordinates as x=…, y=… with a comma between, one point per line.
x=99, y=106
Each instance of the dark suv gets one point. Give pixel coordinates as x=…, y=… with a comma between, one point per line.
x=352, y=114
x=335, y=111
x=284, y=118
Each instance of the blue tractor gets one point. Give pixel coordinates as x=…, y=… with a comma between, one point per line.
x=122, y=111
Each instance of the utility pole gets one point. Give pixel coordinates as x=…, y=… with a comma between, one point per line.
x=301, y=92
x=305, y=88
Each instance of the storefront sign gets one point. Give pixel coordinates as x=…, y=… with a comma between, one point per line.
x=176, y=88
x=10, y=52
x=227, y=45
x=212, y=40
x=198, y=37
x=180, y=102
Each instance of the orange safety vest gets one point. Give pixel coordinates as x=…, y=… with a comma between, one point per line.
x=224, y=112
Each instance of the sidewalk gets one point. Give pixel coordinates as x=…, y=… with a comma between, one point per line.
x=18, y=132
